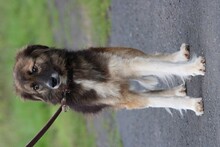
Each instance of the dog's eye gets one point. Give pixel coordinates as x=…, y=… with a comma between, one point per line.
x=34, y=69
x=35, y=87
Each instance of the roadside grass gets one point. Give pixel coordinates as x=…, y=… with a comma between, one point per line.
x=109, y=124
x=22, y=22
x=100, y=23
x=99, y=29
x=27, y=22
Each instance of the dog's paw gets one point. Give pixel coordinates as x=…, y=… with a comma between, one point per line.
x=198, y=67
x=184, y=52
x=198, y=106
x=180, y=90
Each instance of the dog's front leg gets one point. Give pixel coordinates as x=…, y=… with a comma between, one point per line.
x=140, y=101
x=145, y=67
x=187, y=103
x=180, y=56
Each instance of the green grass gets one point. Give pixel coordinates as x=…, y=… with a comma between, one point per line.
x=100, y=25
x=28, y=22
x=22, y=22
x=109, y=124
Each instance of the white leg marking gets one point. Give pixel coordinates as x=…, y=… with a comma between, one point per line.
x=103, y=89
x=180, y=90
x=194, y=104
x=145, y=67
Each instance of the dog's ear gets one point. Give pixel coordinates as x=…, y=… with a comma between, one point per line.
x=31, y=48
x=27, y=96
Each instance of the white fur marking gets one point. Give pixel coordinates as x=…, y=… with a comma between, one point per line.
x=103, y=89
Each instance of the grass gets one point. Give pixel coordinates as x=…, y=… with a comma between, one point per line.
x=20, y=26
x=99, y=29
x=28, y=22
x=100, y=25
x=109, y=124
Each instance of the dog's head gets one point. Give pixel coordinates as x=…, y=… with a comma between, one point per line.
x=37, y=75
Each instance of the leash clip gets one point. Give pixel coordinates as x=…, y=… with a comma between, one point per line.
x=64, y=106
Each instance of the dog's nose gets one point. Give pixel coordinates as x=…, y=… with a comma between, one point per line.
x=54, y=82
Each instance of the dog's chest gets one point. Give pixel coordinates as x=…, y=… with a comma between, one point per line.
x=103, y=89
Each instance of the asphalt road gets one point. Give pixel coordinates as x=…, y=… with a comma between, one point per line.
x=162, y=25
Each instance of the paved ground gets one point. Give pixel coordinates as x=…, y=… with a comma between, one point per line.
x=162, y=26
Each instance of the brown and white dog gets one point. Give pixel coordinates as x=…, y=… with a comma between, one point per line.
x=98, y=78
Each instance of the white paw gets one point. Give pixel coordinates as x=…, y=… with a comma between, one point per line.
x=180, y=90
x=183, y=54
x=185, y=51
x=198, y=66
x=198, y=106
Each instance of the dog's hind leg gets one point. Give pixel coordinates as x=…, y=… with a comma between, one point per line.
x=140, y=101
x=176, y=91
x=179, y=103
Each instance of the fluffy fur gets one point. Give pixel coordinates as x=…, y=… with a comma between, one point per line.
x=99, y=77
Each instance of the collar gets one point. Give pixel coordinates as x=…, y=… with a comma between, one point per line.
x=69, y=84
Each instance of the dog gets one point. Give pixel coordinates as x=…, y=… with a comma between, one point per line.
x=98, y=78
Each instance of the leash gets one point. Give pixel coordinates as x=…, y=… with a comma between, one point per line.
x=48, y=124
x=62, y=107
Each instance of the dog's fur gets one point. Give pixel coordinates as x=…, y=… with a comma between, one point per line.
x=99, y=77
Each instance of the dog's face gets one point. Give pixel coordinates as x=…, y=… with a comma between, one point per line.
x=36, y=75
